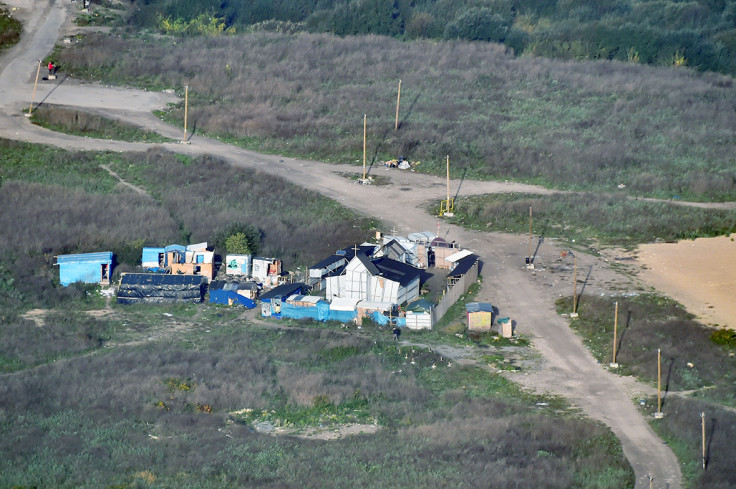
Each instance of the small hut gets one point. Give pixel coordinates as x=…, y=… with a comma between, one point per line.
x=480, y=316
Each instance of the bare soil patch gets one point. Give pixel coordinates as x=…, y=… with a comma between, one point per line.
x=699, y=274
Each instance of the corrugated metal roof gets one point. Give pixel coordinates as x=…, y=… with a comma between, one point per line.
x=478, y=307
x=100, y=257
x=422, y=236
x=458, y=256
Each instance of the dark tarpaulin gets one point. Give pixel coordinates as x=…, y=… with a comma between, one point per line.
x=157, y=288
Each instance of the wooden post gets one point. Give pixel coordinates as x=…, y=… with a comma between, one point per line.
x=650, y=481
x=365, y=122
x=398, y=100
x=530, y=264
x=186, y=109
x=35, y=84
x=615, y=334
x=702, y=426
x=448, y=180
x=575, y=289
x=658, y=414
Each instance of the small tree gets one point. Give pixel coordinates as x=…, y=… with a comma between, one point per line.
x=238, y=243
x=239, y=238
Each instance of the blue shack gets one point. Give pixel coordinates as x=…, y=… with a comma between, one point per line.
x=89, y=268
x=222, y=292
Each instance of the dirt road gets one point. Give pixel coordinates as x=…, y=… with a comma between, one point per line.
x=526, y=296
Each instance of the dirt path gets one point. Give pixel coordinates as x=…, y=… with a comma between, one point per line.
x=527, y=296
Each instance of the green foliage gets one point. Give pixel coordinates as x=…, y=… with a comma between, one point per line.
x=204, y=25
x=238, y=243
x=589, y=126
x=478, y=24
x=239, y=238
x=593, y=218
x=176, y=384
x=80, y=123
x=646, y=323
x=725, y=337
x=10, y=29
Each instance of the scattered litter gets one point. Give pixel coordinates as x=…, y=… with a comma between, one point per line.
x=168, y=315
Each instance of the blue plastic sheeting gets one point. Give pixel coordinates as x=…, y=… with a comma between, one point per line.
x=342, y=316
x=156, y=270
x=379, y=318
x=225, y=296
x=150, y=254
x=318, y=312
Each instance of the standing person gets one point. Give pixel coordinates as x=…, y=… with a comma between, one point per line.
x=397, y=333
x=51, y=68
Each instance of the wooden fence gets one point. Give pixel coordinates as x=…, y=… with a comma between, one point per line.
x=454, y=292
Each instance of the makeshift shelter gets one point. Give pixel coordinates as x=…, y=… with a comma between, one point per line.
x=88, y=268
x=272, y=300
x=305, y=307
x=480, y=316
x=238, y=264
x=266, y=271
x=227, y=293
x=441, y=249
x=335, y=264
x=419, y=314
x=367, y=308
x=157, y=288
x=343, y=309
x=153, y=257
x=461, y=266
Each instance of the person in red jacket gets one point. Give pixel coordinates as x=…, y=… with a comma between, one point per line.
x=51, y=68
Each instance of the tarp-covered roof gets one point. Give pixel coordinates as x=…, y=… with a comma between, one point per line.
x=310, y=299
x=283, y=291
x=422, y=237
x=463, y=265
x=372, y=269
x=98, y=257
x=478, y=307
x=420, y=305
x=160, y=279
x=327, y=262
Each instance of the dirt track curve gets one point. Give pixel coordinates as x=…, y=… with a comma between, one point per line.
x=528, y=297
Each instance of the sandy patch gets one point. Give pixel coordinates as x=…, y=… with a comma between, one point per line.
x=38, y=316
x=700, y=274
x=331, y=433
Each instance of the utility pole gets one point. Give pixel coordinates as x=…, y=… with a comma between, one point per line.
x=702, y=426
x=186, y=109
x=398, y=100
x=574, y=313
x=615, y=334
x=659, y=414
x=365, y=123
x=35, y=84
x=529, y=262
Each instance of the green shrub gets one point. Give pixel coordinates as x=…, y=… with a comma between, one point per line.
x=725, y=337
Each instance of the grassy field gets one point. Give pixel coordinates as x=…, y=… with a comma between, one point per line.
x=10, y=29
x=98, y=395
x=691, y=362
x=183, y=411
x=661, y=132
x=591, y=218
x=81, y=123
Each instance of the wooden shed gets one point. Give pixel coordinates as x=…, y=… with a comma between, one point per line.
x=480, y=316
